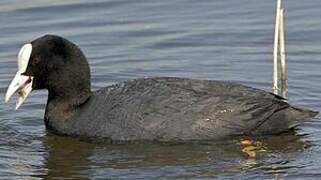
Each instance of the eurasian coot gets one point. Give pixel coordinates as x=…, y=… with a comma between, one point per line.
x=154, y=109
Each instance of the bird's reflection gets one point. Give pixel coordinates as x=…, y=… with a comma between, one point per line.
x=67, y=157
x=71, y=158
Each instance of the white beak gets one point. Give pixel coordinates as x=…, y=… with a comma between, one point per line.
x=20, y=83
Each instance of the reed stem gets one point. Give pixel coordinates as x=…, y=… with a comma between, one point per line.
x=282, y=54
x=275, y=49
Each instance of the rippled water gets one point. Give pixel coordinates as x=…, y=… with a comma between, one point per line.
x=125, y=39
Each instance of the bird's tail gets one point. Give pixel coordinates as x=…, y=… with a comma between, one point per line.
x=297, y=115
x=285, y=119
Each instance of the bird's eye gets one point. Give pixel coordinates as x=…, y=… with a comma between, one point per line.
x=36, y=60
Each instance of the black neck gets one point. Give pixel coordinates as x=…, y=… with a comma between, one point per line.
x=59, y=109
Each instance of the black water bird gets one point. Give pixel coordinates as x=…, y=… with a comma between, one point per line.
x=146, y=109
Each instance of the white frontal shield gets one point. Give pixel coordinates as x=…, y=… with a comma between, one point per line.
x=20, y=83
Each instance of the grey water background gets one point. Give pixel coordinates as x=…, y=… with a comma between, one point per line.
x=126, y=39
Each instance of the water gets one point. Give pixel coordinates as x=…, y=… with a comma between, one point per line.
x=124, y=39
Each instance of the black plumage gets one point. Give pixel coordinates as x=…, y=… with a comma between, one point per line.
x=156, y=109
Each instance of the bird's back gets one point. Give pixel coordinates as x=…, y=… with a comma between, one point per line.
x=178, y=109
